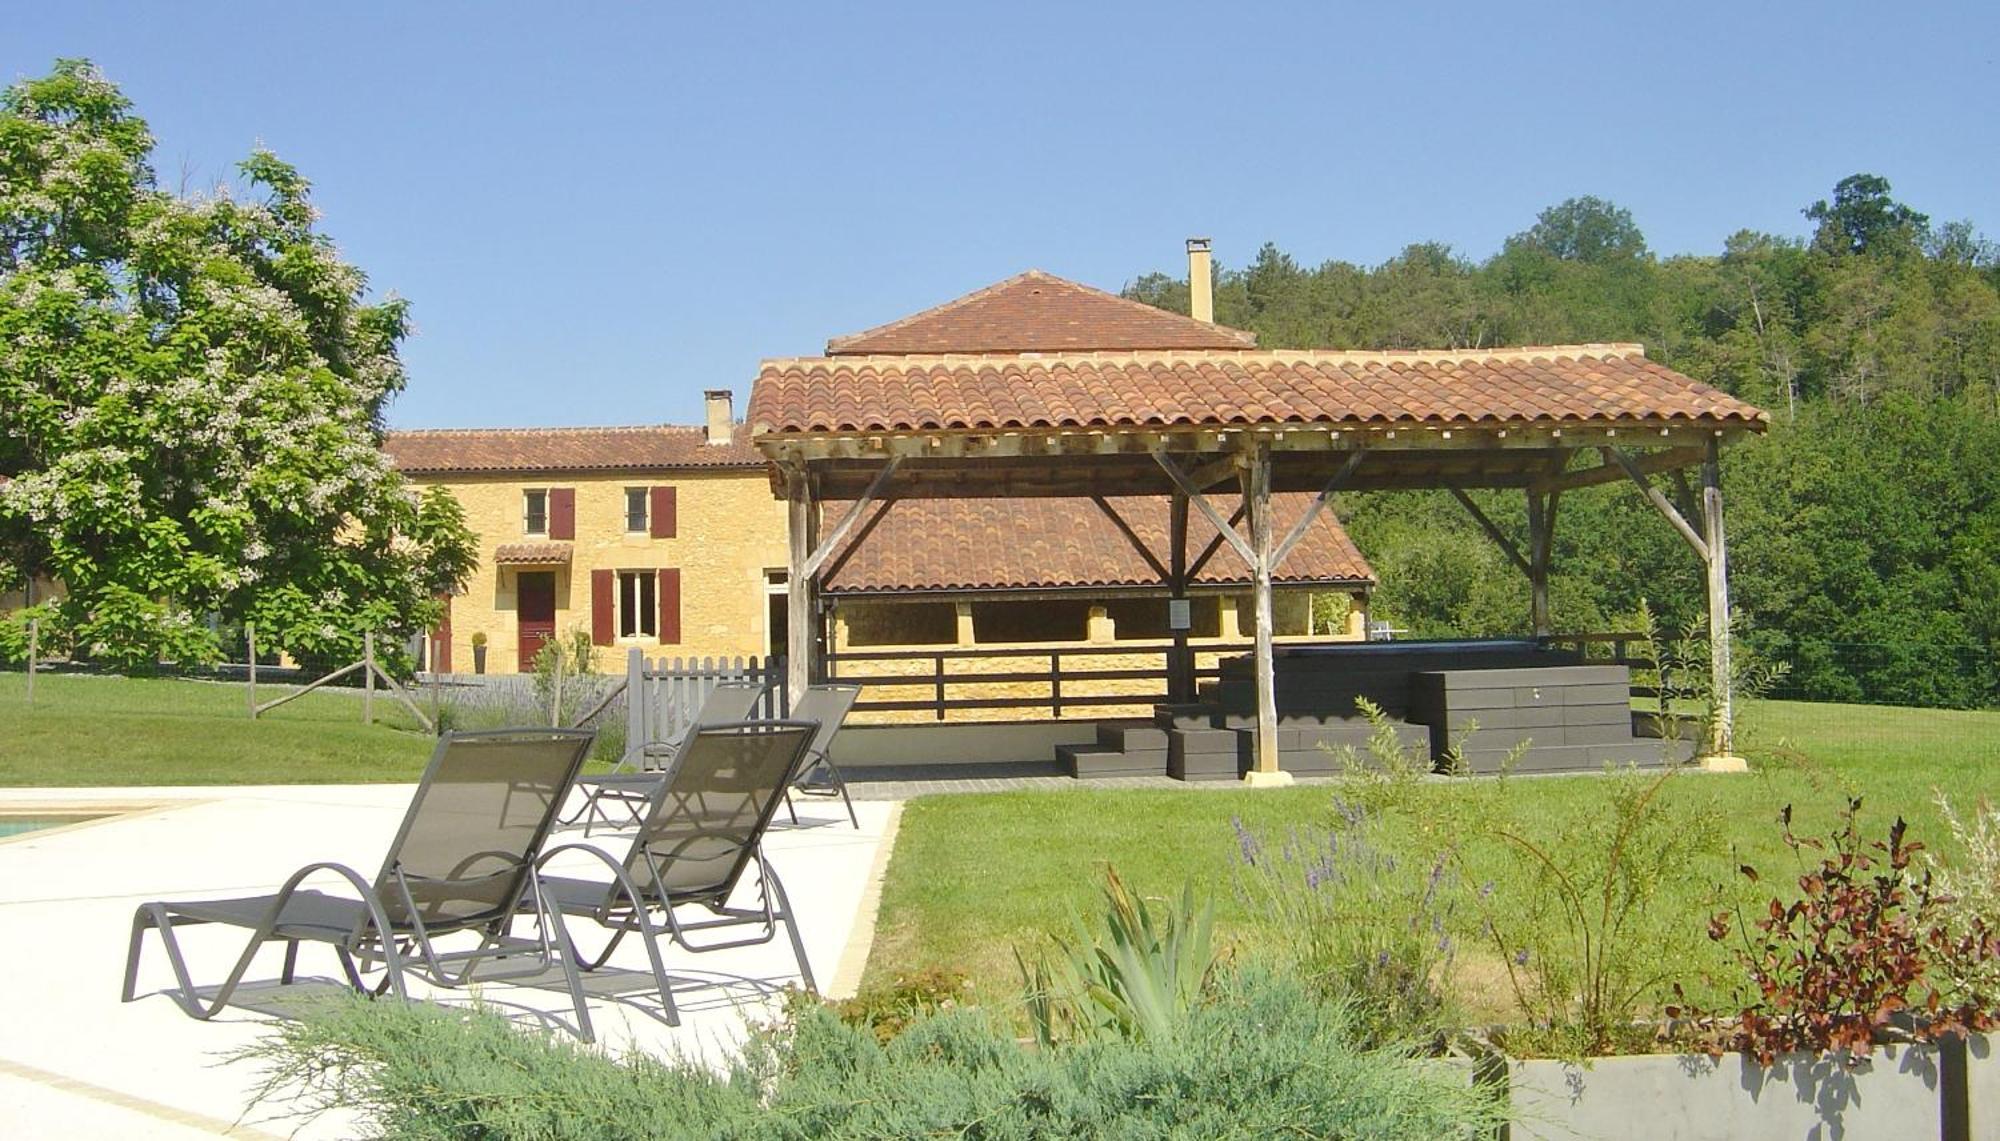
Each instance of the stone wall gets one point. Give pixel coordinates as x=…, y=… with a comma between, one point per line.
x=729, y=531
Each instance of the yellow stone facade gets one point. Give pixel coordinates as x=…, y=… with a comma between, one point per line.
x=729, y=533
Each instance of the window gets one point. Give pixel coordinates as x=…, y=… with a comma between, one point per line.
x=535, y=512
x=636, y=515
x=638, y=606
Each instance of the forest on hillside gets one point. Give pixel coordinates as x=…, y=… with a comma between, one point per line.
x=1864, y=528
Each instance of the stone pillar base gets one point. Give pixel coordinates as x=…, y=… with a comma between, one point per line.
x=1256, y=778
x=1723, y=764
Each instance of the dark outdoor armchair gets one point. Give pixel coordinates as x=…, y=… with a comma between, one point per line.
x=631, y=784
x=462, y=862
x=828, y=705
x=703, y=829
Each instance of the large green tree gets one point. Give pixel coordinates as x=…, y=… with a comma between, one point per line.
x=1865, y=529
x=191, y=398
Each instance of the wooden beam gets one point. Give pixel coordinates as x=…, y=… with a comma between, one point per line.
x=1494, y=533
x=1666, y=459
x=1299, y=529
x=1722, y=729
x=1212, y=473
x=1684, y=496
x=833, y=566
x=1132, y=537
x=799, y=583
x=826, y=547
x=1659, y=500
x=1256, y=481
x=1541, y=546
x=1207, y=509
x=1180, y=667
x=1208, y=552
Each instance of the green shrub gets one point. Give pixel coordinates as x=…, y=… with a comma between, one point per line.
x=886, y=1010
x=1357, y=923
x=1262, y=1058
x=1140, y=979
x=1969, y=882
x=1573, y=926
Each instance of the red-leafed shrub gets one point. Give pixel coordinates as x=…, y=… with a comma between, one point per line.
x=1865, y=949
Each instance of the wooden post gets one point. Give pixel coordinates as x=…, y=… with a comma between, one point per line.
x=799, y=582
x=1256, y=483
x=1180, y=664
x=34, y=651
x=1722, y=732
x=638, y=705
x=368, y=677
x=1541, y=547
x=250, y=656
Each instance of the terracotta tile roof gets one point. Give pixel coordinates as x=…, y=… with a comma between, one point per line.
x=644, y=448
x=1026, y=544
x=531, y=553
x=1039, y=312
x=1569, y=383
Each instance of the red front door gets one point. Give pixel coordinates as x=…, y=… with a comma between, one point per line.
x=535, y=608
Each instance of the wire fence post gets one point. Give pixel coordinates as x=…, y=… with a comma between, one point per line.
x=368, y=677
x=34, y=649
x=250, y=656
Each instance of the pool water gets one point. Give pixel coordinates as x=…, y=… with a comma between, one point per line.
x=16, y=825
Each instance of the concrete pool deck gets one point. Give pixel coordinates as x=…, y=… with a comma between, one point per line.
x=75, y=1062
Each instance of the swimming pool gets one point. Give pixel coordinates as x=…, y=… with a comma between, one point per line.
x=17, y=825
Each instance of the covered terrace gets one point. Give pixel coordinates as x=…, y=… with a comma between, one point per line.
x=853, y=430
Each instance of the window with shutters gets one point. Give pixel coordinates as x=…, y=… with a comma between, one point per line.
x=637, y=516
x=535, y=512
x=638, y=604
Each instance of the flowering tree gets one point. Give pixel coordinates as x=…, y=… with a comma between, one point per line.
x=191, y=396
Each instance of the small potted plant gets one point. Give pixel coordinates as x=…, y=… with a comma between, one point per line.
x=479, y=652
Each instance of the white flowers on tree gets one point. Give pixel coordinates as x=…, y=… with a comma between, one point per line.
x=191, y=394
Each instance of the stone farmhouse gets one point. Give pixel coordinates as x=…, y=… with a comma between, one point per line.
x=671, y=539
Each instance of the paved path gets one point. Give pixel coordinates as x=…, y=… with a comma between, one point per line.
x=77, y=1063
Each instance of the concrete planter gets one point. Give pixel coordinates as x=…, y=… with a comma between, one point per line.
x=1898, y=1092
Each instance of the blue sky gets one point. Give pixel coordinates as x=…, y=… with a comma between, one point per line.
x=598, y=212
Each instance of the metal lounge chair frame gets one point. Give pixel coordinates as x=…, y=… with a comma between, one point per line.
x=386, y=925
x=625, y=907
x=828, y=704
x=631, y=783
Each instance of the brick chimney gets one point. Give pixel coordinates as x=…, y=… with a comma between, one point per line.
x=721, y=414
x=1201, y=282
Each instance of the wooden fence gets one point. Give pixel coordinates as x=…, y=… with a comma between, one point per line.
x=1058, y=681
x=662, y=695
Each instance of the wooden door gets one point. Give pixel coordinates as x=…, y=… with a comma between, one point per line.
x=535, y=611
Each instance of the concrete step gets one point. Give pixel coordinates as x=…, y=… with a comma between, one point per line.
x=1126, y=736
x=1087, y=761
x=1568, y=758
x=1197, y=715
x=1203, y=766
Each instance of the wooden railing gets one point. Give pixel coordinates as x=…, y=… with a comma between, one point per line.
x=1619, y=643
x=1061, y=677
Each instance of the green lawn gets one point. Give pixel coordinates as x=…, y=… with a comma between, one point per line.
x=973, y=876
x=86, y=730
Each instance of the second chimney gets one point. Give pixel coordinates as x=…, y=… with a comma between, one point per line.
x=1201, y=282
x=721, y=414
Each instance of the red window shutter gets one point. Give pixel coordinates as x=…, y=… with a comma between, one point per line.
x=663, y=513
x=670, y=606
x=562, y=512
x=603, y=599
